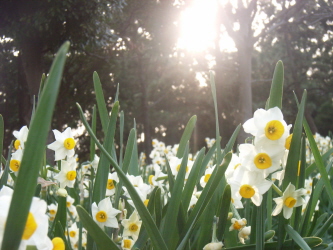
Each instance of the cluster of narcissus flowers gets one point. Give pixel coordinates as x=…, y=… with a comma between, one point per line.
x=250, y=174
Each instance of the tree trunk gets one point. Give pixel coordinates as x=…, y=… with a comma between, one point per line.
x=32, y=64
x=245, y=90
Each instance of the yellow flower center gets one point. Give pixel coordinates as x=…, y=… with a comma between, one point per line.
x=101, y=216
x=150, y=179
x=290, y=202
x=71, y=175
x=58, y=244
x=262, y=161
x=69, y=143
x=133, y=227
x=288, y=141
x=14, y=165
x=246, y=191
x=30, y=227
x=72, y=234
x=237, y=226
x=207, y=176
x=127, y=243
x=274, y=130
x=110, y=184
x=68, y=204
x=52, y=211
x=178, y=167
x=17, y=144
x=146, y=202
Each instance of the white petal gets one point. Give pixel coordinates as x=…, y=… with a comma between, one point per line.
x=287, y=212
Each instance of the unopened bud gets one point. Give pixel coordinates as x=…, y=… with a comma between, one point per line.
x=62, y=192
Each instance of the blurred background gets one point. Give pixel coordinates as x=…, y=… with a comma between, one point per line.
x=160, y=53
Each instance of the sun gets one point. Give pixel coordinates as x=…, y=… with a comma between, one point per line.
x=198, y=27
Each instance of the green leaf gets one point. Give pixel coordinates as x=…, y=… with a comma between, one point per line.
x=169, y=231
x=223, y=211
x=192, y=179
x=134, y=163
x=291, y=171
x=217, y=126
x=100, y=237
x=104, y=163
x=127, y=160
x=321, y=231
x=319, y=161
x=61, y=217
x=269, y=235
x=33, y=155
x=93, y=127
x=101, y=104
x=297, y=238
x=207, y=193
x=276, y=92
x=152, y=230
x=186, y=136
x=4, y=176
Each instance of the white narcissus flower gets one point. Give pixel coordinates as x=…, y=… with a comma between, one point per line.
x=244, y=234
x=15, y=161
x=175, y=164
x=63, y=145
x=73, y=233
x=67, y=175
x=291, y=198
x=21, y=137
x=132, y=226
x=252, y=186
x=36, y=227
x=267, y=126
x=261, y=159
x=104, y=214
x=152, y=179
x=237, y=224
x=127, y=243
x=205, y=178
x=110, y=187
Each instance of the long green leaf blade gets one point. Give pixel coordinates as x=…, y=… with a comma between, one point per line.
x=276, y=92
x=104, y=163
x=186, y=136
x=33, y=155
x=101, y=104
x=297, y=238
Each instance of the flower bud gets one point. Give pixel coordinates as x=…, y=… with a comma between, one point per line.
x=62, y=192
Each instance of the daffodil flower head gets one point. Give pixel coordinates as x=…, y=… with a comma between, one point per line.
x=15, y=161
x=127, y=243
x=21, y=137
x=104, y=214
x=132, y=226
x=252, y=185
x=175, y=164
x=261, y=159
x=63, y=145
x=213, y=246
x=110, y=185
x=267, y=126
x=36, y=227
x=237, y=224
x=205, y=178
x=67, y=175
x=291, y=198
